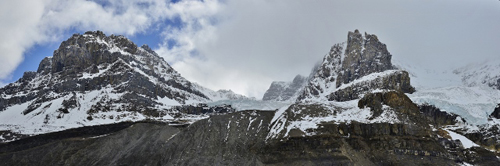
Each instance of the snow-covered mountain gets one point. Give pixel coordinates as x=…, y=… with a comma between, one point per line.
x=476, y=74
x=359, y=72
x=97, y=79
x=470, y=91
x=285, y=91
x=350, y=69
x=355, y=108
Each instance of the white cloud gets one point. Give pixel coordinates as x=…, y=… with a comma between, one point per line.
x=28, y=22
x=19, y=32
x=244, y=45
x=197, y=27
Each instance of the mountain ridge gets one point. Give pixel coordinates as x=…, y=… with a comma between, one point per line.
x=95, y=79
x=355, y=108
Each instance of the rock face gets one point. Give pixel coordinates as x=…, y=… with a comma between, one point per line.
x=496, y=112
x=363, y=55
x=438, y=117
x=393, y=99
x=92, y=62
x=139, y=144
x=393, y=79
x=232, y=139
x=488, y=135
x=323, y=79
x=285, y=91
x=94, y=79
x=353, y=68
x=241, y=138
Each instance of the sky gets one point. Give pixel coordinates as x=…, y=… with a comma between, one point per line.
x=244, y=45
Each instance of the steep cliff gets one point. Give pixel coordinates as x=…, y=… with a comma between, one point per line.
x=242, y=138
x=353, y=68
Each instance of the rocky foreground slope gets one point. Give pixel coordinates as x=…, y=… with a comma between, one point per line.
x=243, y=138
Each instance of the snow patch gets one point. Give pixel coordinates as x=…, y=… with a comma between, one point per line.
x=333, y=112
x=278, y=122
x=467, y=143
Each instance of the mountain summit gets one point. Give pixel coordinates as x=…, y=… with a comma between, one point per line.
x=354, y=67
x=95, y=79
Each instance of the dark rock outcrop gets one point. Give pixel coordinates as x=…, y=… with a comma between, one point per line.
x=398, y=80
x=363, y=55
x=377, y=143
x=496, y=112
x=394, y=99
x=437, y=117
x=488, y=135
x=424, y=115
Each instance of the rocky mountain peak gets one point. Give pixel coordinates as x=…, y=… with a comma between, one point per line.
x=285, y=91
x=363, y=55
x=81, y=52
x=94, y=77
x=340, y=75
x=298, y=79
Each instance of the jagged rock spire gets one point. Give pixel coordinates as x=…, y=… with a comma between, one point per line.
x=360, y=56
x=363, y=55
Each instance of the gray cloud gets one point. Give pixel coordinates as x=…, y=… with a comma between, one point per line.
x=256, y=42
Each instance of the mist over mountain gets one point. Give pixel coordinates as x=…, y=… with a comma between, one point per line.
x=285, y=91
